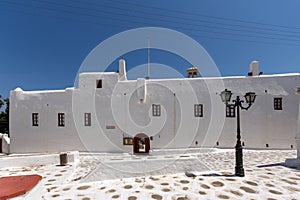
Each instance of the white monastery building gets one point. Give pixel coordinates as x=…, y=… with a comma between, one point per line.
x=108, y=113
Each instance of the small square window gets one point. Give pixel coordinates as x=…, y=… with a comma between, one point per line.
x=278, y=103
x=87, y=119
x=35, y=119
x=61, y=119
x=99, y=83
x=198, y=110
x=230, y=110
x=127, y=141
x=156, y=110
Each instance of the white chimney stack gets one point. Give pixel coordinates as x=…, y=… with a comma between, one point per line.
x=254, y=69
x=122, y=70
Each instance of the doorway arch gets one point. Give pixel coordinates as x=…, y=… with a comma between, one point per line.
x=141, y=143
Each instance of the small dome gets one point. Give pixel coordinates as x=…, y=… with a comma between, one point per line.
x=18, y=90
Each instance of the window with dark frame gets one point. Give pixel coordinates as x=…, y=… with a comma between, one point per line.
x=61, y=119
x=156, y=110
x=230, y=110
x=87, y=119
x=127, y=141
x=35, y=119
x=278, y=103
x=198, y=110
x=99, y=83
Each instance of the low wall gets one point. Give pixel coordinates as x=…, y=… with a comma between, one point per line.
x=17, y=160
x=5, y=144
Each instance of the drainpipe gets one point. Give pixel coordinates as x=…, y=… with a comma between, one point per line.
x=174, y=119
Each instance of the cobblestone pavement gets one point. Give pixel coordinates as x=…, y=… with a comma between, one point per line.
x=266, y=178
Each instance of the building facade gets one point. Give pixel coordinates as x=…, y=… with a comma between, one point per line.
x=108, y=113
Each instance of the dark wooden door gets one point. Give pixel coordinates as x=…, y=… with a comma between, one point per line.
x=136, y=147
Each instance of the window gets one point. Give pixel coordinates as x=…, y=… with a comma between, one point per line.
x=99, y=83
x=127, y=141
x=110, y=126
x=198, y=110
x=278, y=103
x=61, y=119
x=35, y=119
x=155, y=110
x=230, y=110
x=87, y=119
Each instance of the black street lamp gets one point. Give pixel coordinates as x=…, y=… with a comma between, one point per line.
x=249, y=97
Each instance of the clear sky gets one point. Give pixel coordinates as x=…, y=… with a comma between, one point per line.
x=44, y=42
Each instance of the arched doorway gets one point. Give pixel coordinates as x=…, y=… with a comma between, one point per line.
x=141, y=143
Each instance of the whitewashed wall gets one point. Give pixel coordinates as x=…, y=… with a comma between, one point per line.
x=117, y=111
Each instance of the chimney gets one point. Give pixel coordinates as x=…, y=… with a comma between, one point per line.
x=122, y=70
x=254, y=69
x=192, y=72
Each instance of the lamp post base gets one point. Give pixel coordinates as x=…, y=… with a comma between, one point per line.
x=239, y=171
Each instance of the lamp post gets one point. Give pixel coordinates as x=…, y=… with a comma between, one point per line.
x=238, y=103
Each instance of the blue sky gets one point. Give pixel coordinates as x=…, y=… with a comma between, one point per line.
x=44, y=42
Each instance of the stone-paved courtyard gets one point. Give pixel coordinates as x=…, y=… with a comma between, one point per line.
x=266, y=178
